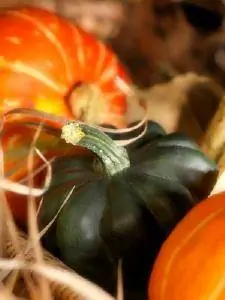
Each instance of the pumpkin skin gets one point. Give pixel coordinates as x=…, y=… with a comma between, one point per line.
x=190, y=264
x=123, y=206
x=42, y=58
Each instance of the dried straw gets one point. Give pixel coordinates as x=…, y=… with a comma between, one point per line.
x=58, y=290
x=213, y=143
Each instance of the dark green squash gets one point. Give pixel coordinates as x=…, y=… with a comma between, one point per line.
x=122, y=204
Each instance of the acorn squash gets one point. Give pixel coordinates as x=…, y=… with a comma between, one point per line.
x=121, y=204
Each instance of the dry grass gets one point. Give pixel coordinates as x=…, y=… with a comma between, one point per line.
x=27, y=271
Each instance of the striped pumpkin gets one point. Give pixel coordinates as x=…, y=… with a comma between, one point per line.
x=49, y=64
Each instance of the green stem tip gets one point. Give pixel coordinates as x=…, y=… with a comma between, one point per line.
x=114, y=158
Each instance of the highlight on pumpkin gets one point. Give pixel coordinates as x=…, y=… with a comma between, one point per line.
x=76, y=76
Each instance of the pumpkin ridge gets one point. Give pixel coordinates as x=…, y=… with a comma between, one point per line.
x=171, y=139
x=49, y=35
x=77, y=39
x=22, y=68
x=141, y=199
x=101, y=59
x=162, y=177
x=109, y=72
x=133, y=182
x=182, y=243
x=216, y=292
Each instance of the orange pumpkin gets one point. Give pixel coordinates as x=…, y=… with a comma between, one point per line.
x=49, y=64
x=191, y=263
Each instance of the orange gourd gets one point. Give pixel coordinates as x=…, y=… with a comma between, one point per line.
x=49, y=64
x=191, y=263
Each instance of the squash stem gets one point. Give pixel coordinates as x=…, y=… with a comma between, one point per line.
x=114, y=158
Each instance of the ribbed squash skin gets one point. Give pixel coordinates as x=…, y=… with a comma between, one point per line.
x=122, y=211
